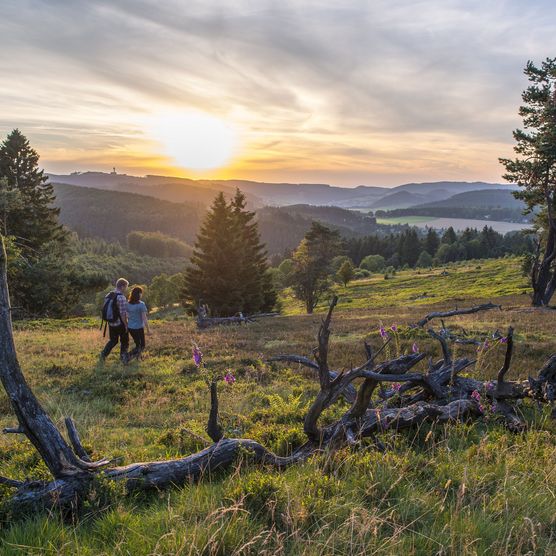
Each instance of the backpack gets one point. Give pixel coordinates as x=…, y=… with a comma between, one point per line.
x=110, y=310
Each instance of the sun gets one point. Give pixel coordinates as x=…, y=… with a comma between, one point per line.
x=196, y=140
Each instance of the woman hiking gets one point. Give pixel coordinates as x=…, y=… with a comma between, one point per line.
x=137, y=321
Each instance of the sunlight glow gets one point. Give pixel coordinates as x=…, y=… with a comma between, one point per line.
x=196, y=140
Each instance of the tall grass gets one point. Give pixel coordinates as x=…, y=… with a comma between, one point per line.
x=465, y=489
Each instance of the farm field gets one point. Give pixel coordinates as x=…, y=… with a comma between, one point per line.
x=458, y=224
x=465, y=489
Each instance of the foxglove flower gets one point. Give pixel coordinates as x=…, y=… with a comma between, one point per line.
x=197, y=355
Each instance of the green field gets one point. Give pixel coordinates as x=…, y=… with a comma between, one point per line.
x=465, y=489
x=405, y=220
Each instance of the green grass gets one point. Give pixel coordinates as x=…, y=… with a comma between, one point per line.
x=405, y=219
x=466, y=489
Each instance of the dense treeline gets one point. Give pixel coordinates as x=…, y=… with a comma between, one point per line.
x=409, y=246
x=111, y=260
x=156, y=244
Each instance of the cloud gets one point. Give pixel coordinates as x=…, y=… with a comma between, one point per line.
x=360, y=91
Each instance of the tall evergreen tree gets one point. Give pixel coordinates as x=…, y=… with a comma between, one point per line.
x=210, y=278
x=432, y=242
x=255, y=281
x=28, y=213
x=449, y=237
x=535, y=171
x=409, y=247
x=229, y=268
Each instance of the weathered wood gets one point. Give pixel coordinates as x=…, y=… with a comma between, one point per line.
x=36, y=424
x=453, y=313
x=214, y=430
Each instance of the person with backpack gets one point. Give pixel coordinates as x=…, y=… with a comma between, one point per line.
x=114, y=317
x=137, y=321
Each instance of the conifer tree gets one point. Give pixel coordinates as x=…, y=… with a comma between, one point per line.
x=535, y=171
x=254, y=279
x=431, y=242
x=27, y=197
x=229, y=269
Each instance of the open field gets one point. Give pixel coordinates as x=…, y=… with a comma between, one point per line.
x=466, y=489
x=458, y=224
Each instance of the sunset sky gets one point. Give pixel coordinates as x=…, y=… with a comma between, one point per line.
x=376, y=92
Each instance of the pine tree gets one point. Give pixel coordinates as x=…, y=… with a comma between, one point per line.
x=254, y=279
x=211, y=279
x=535, y=171
x=409, y=247
x=229, y=269
x=27, y=211
x=431, y=242
x=449, y=237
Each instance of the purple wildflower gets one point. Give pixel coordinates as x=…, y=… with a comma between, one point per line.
x=415, y=348
x=197, y=355
x=383, y=333
x=476, y=396
x=394, y=328
x=504, y=340
x=396, y=386
x=229, y=378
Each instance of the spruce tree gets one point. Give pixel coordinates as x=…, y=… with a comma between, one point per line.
x=431, y=242
x=229, y=269
x=254, y=279
x=209, y=279
x=28, y=213
x=534, y=170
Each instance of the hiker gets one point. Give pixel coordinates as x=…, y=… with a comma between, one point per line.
x=137, y=321
x=114, y=314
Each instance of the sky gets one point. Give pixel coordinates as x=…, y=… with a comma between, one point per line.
x=375, y=92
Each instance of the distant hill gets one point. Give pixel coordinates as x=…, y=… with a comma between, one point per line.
x=399, y=199
x=496, y=204
x=259, y=194
x=111, y=215
x=484, y=198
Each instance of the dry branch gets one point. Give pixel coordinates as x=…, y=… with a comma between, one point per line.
x=444, y=314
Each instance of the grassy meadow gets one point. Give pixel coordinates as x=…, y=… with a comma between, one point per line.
x=465, y=489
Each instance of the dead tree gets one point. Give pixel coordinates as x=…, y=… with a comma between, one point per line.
x=437, y=395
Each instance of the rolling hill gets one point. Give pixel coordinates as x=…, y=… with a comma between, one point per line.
x=259, y=194
x=111, y=215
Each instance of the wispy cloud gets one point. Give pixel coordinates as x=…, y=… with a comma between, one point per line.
x=350, y=92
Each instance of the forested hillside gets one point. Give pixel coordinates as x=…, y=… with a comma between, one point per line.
x=111, y=215
x=495, y=204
